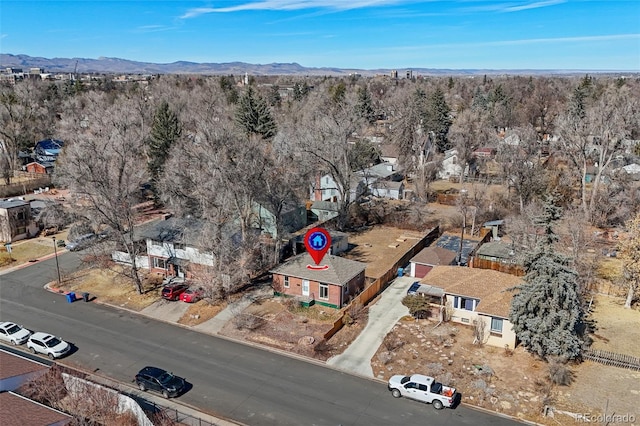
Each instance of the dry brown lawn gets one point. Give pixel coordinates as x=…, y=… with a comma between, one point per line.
x=111, y=287
x=381, y=247
x=286, y=326
x=201, y=311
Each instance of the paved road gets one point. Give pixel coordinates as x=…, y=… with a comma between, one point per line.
x=244, y=383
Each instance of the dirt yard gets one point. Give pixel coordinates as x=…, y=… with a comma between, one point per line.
x=281, y=323
x=514, y=382
x=380, y=247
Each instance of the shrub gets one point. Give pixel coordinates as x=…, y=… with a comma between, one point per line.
x=559, y=372
x=248, y=322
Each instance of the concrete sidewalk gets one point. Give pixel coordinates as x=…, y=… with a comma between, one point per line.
x=383, y=315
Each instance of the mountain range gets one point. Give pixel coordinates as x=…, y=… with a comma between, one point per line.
x=104, y=65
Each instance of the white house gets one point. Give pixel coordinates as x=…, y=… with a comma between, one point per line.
x=366, y=180
x=450, y=165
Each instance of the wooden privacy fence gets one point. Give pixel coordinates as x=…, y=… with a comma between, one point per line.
x=613, y=359
x=508, y=268
x=378, y=285
x=25, y=186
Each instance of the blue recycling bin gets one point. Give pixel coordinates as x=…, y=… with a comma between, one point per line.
x=400, y=271
x=71, y=297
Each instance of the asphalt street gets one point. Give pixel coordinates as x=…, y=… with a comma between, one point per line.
x=233, y=380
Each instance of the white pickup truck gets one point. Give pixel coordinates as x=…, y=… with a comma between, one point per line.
x=425, y=389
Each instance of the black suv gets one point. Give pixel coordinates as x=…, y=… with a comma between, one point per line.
x=159, y=380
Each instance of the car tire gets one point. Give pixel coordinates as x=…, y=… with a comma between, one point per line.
x=32, y=350
x=142, y=387
x=437, y=404
x=396, y=393
x=52, y=356
x=14, y=343
x=165, y=394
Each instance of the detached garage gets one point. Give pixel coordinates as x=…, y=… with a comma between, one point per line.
x=429, y=257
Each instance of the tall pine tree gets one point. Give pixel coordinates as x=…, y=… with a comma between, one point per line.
x=165, y=131
x=547, y=313
x=254, y=116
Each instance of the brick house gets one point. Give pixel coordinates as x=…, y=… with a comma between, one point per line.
x=172, y=246
x=332, y=287
x=44, y=168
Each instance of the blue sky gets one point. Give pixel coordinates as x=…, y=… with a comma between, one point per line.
x=363, y=34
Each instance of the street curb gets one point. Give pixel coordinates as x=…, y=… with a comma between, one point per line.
x=284, y=353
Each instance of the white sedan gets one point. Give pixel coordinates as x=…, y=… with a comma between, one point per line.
x=47, y=344
x=13, y=333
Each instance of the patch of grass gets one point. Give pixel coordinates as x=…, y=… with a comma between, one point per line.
x=199, y=312
x=610, y=269
x=112, y=287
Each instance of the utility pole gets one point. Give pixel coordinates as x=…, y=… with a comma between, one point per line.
x=55, y=250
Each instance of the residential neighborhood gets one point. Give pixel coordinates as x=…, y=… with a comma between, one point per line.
x=469, y=237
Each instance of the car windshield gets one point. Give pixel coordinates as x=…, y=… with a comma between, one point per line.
x=405, y=379
x=54, y=341
x=166, y=378
x=13, y=329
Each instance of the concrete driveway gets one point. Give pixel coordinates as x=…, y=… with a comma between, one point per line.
x=383, y=315
x=165, y=310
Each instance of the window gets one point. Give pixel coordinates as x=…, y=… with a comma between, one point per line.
x=286, y=281
x=324, y=291
x=21, y=230
x=178, y=246
x=496, y=325
x=159, y=263
x=464, y=303
x=21, y=215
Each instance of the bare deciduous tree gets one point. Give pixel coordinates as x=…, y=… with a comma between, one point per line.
x=103, y=163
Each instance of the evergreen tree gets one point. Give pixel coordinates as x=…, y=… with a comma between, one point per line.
x=547, y=313
x=364, y=106
x=437, y=120
x=254, y=116
x=165, y=131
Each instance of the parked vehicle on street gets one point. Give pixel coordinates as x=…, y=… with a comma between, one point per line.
x=425, y=389
x=172, y=291
x=13, y=333
x=192, y=294
x=82, y=242
x=159, y=380
x=48, y=344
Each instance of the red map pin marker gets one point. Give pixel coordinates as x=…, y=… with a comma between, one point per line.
x=317, y=241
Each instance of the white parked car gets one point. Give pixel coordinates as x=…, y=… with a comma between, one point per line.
x=13, y=333
x=425, y=389
x=47, y=344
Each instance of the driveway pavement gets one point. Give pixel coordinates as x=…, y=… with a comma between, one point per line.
x=383, y=315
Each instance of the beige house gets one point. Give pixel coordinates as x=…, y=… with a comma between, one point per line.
x=477, y=297
x=16, y=221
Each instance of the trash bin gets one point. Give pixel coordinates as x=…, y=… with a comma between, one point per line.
x=71, y=297
x=400, y=271
x=85, y=296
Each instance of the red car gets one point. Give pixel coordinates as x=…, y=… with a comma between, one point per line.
x=173, y=290
x=192, y=295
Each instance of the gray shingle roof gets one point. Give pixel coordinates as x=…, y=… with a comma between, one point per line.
x=340, y=270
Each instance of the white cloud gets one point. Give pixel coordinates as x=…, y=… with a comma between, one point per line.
x=291, y=5
x=514, y=6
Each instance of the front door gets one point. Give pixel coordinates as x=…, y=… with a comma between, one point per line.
x=305, y=287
